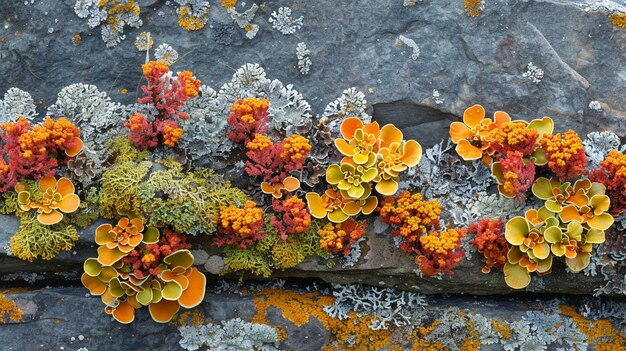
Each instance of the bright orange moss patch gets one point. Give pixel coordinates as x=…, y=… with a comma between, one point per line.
x=9, y=308
x=602, y=333
x=618, y=20
x=259, y=143
x=565, y=154
x=295, y=147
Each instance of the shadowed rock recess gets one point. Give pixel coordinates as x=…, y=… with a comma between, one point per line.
x=415, y=64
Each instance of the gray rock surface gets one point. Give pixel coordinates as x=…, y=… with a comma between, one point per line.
x=467, y=59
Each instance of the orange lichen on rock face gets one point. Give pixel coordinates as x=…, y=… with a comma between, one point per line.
x=349, y=334
x=193, y=318
x=228, y=3
x=565, y=154
x=600, y=333
x=618, y=20
x=187, y=20
x=473, y=7
x=9, y=309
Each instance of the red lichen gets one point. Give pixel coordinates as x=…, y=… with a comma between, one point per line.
x=518, y=175
x=565, y=154
x=142, y=133
x=247, y=118
x=292, y=216
x=439, y=252
x=613, y=176
x=489, y=240
x=35, y=153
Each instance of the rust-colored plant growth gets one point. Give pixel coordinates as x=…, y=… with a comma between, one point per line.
x=291, y=216
x=168, y=95
x=565, y=154
x=489, y=240
x=240, y=227
x=272, y=161
x=613, y=176
x=136, y=268
x=35, y=153
x=417, y=222
x=338, y=238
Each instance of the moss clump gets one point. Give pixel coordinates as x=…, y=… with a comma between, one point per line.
x=272, y=252
x=167, y=196
x=35, y=240
x=123, y=151
x=8, y=202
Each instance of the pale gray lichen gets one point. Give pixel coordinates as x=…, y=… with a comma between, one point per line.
x=198, y=9
x=595, y=105
x=244, y=20
x=597, y=146
x=230, y=335
x=205, y=130
x=284, y=22
x=144, y=41
x=111, y=24
x=533, y=73
x=16, y=103
x=389, y=306
x=437, y=97
x=166, y=53
x=304, y=61
x=411, y=44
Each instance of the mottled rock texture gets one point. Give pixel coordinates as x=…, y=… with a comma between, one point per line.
x=353, y=43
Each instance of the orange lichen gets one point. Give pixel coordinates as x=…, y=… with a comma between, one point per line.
x=349, y=334
x=339, y=237
x=10, y=309
x=239, y=226
x=473, y=7
x=601, y=333
x=411, y=214
x=259, y=143
x=156, y=68
x=514, y=136
x=193, y=318
x=171, y=135
x=565, y=154
x=189, y=83
x=190, y=22
x=295, y=147
x=618, y=20
x=228, y=3
x=501, y=327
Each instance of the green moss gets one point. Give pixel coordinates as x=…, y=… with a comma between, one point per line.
x=187, y=202
x=87, y=212
x=119, y=192
x=35, y=240
x=123, y=151
x=273, y=252
x=8, y=202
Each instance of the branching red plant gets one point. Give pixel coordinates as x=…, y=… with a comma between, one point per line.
x=239, y=227
x=247, y=117
x=35, y=153
x=613, y=176
x=489, y=240
x=292, y=216
x=518, y=174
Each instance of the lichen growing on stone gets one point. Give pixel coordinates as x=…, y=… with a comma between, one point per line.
x=112, y=16
x=284, y=22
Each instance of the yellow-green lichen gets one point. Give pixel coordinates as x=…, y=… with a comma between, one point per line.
x=35, y=240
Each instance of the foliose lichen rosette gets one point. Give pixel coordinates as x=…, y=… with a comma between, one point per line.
x=136, y=267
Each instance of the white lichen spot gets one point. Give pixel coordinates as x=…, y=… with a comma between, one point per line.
x=284, y=22
x=410, y=43
x=534, y=73
x=595, y=105
x=304, y=61
x=166, y=54
x=437, y=97
x=144, y=41
x=244, y=20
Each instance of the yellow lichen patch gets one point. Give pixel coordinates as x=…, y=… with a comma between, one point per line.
x=190, y=22
x=618, y=20
x=601, y=333
x=473, y=7
x=349, y=334
x=9, y=309
x=76, y=40
x=228, y=3
x=502, y=328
